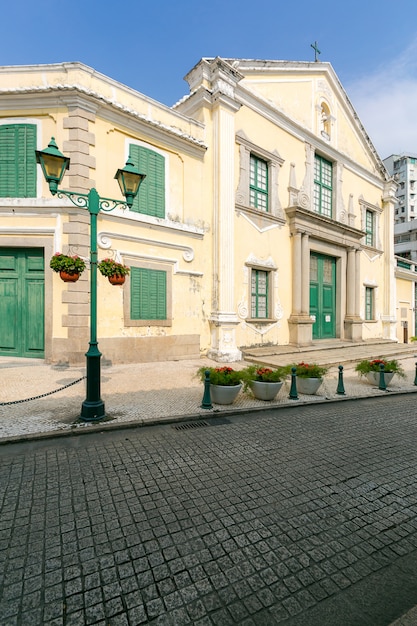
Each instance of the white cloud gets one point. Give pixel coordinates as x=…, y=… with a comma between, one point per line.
x=386, y=103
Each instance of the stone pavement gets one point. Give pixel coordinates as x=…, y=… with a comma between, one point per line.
x=289, y=517
x=158, y=392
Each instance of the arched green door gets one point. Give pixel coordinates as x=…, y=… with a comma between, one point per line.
x=323, y=295
x=22, y=302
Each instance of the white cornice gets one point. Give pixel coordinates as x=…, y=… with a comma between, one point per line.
x=35, y=98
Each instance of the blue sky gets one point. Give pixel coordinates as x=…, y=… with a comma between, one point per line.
x=151, y=46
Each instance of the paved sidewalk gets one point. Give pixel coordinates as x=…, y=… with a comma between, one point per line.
x=154, y=392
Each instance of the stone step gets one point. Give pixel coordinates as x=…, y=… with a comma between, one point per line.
x=330, y=353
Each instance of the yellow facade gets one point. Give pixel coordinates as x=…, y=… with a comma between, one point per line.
x=236, y=274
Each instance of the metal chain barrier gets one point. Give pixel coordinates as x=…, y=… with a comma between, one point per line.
x=43, y=395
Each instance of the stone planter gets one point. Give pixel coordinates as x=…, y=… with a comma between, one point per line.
x=308, y=386
x=68, y=278
x=373, y=378
x=116, y=279
x=222, y=394
x=264, y=391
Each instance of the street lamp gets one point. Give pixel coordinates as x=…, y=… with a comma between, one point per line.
x=54, y=165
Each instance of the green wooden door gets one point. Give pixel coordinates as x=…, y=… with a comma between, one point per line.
x=323, y=296
x=22, y=302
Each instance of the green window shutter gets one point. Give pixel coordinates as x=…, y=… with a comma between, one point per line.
x=323, y=186
x=148, y=300
x=259, y=294
x=258, y=187
x=17, y=161
x=369, y=303
x=369, y=228
x=151, y=197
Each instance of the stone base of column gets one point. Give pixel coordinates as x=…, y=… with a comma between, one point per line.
x=223, y=339
x=353, y=328
x=301, y=330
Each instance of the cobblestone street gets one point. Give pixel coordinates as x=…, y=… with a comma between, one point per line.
x=296, y=516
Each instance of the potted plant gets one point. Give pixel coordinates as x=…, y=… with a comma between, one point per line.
x=225, y=383
x=371, y=369
x=309, y=377
x=115, y=272
x=264, y=382
x=68, y=267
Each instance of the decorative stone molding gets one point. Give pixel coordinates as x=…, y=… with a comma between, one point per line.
x=274, y=161
x=267, y=264
x=104, y=240
x=306, y=191
x=376, y=210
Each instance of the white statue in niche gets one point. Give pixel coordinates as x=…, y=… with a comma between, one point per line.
x=324, y=122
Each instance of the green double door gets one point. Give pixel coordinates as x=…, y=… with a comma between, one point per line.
x=22, y=302
x=323, y=295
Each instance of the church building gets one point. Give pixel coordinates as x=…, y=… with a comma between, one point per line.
x=265, y=218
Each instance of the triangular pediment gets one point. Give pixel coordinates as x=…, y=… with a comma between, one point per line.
x=310, y=97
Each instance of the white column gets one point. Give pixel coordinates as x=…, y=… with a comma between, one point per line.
x=350, y=287
x=225, y=199
x=224, y=320
x=297, y=275
x=305, y=275
x=389, y=320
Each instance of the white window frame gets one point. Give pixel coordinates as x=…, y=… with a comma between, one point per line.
x=274, y=162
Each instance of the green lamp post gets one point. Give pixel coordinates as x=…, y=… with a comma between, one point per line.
x=54, y=165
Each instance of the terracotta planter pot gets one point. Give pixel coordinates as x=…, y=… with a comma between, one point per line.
x=308, y=386
x=264, y=391
x=373, y=377
x=221, y=394
x=116, y=280
x=68, y=278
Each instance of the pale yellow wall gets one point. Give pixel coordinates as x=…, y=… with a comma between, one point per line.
x=180, y=241
x=405, y=303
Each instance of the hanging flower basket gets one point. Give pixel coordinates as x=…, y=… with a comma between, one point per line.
x=69, y=278
x=114, y=271
x=116, y=280
x=68, y=267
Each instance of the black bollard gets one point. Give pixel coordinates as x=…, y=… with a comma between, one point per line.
x=415, y=379
x=293, y=390
x=206, y=403
x=382, y=386
x=340, y=387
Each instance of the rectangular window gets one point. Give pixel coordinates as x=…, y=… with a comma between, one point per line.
x=369, y=303
x=370, y=228
x=17, y=161
x=148, y=299
x=323, y=186
x=259, y=294
x=258, y=183
x=151, y=197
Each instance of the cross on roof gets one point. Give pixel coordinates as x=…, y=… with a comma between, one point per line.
x=316, y=51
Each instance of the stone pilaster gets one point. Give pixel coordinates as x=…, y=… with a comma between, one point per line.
x=81, y=177
x=389, y=321
x=223, y=319
x=300, y=322
x=353, y=322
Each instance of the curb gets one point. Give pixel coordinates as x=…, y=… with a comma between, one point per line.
x=87, y=428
